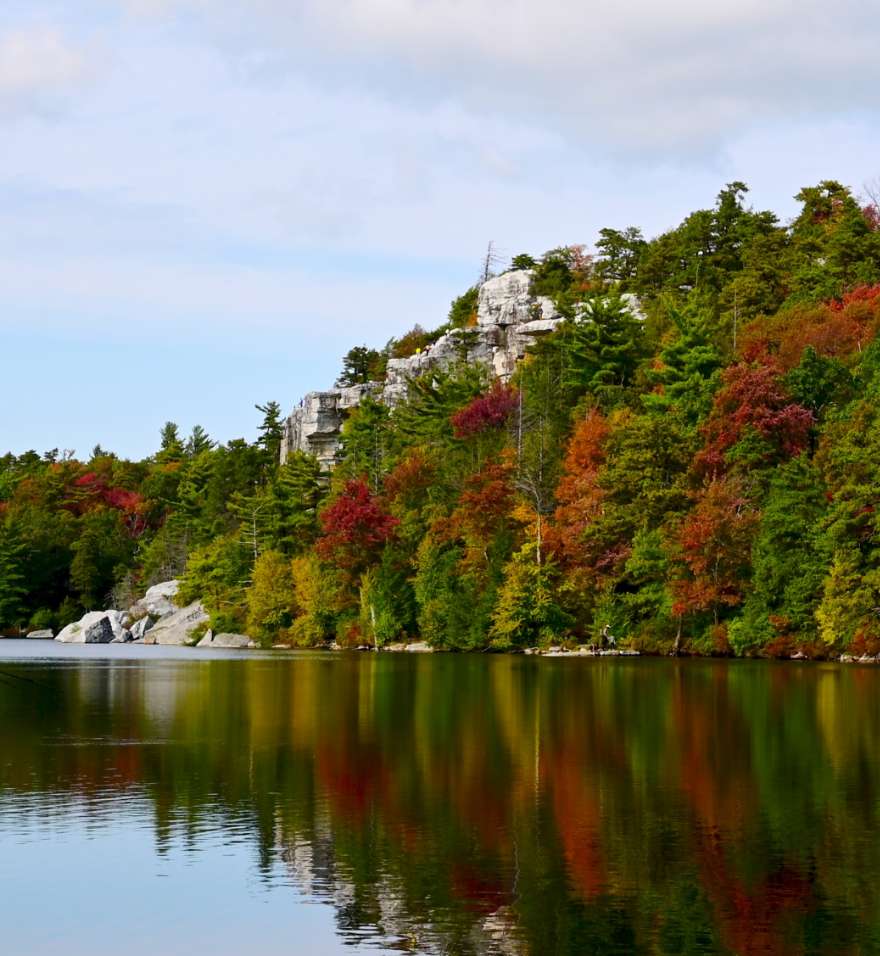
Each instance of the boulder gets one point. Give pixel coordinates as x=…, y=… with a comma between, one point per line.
x=157, y=603
x=96, y=627
x=420, y=647
x=226, y=641
x=177, y=628
x=140, y=628
x=41, y=636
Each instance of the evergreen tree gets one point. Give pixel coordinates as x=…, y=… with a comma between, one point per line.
x=605, y=347
x=359, y=366
x=199, y=441
x=296, y=494
x=12, y=586
x=171, y=447
x=271, y=431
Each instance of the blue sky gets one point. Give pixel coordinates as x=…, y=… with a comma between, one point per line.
x=204, y=203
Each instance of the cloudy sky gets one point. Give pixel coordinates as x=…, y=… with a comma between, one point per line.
x=204, y=203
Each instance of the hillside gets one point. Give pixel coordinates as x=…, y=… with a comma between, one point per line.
x=672, y=441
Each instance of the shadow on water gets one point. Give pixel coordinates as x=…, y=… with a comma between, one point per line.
x=472, y=804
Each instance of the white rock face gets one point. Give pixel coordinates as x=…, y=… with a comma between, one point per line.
x=96, y=627
x=509, y=321
x=177, y=628
x=506, y=300
x=157, y=602
x=314, y=426
x=226, y=641
x=41, y=636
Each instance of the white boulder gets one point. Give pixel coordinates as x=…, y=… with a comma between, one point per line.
x=177, y=628
x=227, y=641
x=96, y=627
x=157, y=602
x=41, y=636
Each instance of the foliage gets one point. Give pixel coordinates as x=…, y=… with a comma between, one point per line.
x=271, y=606
x=687, y=462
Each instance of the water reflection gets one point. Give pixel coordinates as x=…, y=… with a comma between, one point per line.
x=474, y=804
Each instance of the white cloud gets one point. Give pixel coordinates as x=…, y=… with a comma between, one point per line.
x=37, y=65
x=625, y=76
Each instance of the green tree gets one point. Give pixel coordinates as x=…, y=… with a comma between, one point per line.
x=359, y=366
x=12, y=587
x=271, y=431
x=605, y=347
x=271, y=603
x=199, y=441
x=171, y=447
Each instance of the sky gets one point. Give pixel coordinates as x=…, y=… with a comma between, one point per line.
x=205, y=203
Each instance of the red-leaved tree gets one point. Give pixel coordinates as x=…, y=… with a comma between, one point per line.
x=752, y=398
x=485, y=412
x=355, y=528
x=714, y=544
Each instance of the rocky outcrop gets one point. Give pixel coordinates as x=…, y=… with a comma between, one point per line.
x=178, y=628
x=315, y=424
x=157, y=602
x=96, y=627
x=227, y=641
x=509, y=320
x=41, y=636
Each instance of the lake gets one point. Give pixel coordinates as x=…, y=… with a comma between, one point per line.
x=161, y=800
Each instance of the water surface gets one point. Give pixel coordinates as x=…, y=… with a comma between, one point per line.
x=161, y=800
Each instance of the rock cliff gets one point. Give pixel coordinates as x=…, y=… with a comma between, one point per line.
x=509, y=320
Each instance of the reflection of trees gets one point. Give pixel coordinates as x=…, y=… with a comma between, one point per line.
x=465, y=804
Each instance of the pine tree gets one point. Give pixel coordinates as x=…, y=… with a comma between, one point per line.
x=605, y=346
x=171, y=448
x=199, y=441
x=296, y=494
x=271, y=431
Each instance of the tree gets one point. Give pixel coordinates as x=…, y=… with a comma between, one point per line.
x=605, y=346
x=463, y=311
x=271, y=603
x=714, y=549
x=787, y=560
x=171, y=447
x=688, y=371
x=492, y=410
x=359, y=366
x=365, y=441
x=753, y=423
x=271, y=431
x=199, y=441
x=619, y=253
x=355, y=527
x=527, y=612
x=12, y=585
x=101, y=554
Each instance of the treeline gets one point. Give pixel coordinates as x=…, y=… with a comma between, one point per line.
x=699, y=476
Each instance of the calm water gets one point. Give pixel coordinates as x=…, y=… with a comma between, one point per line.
x=159, y=801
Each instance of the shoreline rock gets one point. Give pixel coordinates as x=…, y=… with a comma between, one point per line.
x=45, y=635
x=96, y=627
x=177, y=629
x=227, y=641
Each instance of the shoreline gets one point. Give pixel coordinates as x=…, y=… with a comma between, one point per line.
x=420, y=647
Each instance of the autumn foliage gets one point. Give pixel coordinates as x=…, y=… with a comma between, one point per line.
x=490, y=411
x=355, y=526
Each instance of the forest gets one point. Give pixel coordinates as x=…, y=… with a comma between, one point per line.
x=697, y=478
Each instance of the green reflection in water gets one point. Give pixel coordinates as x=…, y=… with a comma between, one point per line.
x=475, y=804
